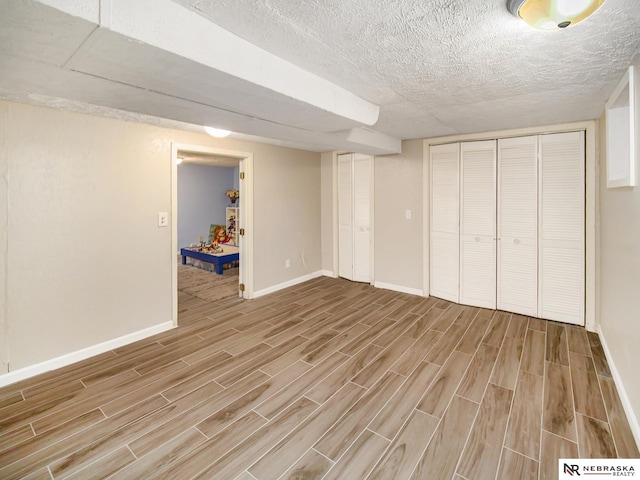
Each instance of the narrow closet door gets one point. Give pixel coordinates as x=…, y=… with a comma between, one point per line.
x=345, y=220
x=478, y=224
x=361, y=217
x=518, y=225
x=561, y=234
x=445, y=210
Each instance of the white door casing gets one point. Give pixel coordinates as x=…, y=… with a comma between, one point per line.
x=246, y=217
x=345, y=216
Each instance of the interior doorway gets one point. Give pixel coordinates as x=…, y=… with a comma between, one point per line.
x=238, y=241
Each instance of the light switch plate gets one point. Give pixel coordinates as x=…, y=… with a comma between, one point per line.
x=407, y=214
x=163, y=219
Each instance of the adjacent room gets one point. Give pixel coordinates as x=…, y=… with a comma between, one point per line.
x=320, y=240
x=208, y=216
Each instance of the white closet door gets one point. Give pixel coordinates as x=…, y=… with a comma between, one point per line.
x=478, y=224
x=561, y=227
x=518, y=225
x=445, y=211
x=362, y=217
x=345, y=220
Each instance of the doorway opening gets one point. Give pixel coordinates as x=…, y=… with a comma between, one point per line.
x=211, y=233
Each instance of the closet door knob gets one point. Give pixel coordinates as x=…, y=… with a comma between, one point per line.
x=478, y=239
x=516, y=241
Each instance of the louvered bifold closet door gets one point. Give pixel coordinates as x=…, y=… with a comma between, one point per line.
x=561, y=227
x=518, y=225
x=445, y=211
x=478, y=224
x=345, y=220
x=361, y=217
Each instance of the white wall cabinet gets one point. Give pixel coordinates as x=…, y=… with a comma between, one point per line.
x=354, y=216
x=507, y=225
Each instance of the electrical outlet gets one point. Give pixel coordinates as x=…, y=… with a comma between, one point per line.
x=407, y=214
x=287, y=263
x=163, y=219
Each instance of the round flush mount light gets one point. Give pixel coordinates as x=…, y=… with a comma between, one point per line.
x=217, y=132
x=553, y=14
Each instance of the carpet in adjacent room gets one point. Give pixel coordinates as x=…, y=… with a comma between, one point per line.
x=207, y=285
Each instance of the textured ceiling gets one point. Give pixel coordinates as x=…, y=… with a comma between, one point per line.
x=354, y=75
x=444, y=66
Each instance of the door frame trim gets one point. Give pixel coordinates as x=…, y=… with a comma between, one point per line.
x=246, y=216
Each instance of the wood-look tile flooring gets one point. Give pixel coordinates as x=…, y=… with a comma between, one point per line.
x=329, y=379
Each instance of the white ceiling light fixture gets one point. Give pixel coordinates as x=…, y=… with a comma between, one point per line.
x=217, y=132
x=553, y=14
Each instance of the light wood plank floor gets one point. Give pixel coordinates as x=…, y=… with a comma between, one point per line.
x=329, y=379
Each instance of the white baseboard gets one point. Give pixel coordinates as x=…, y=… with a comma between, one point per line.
x=328, y=273
x=69, y=358
x=399, y=288
x=287, y=284
x=624, y=398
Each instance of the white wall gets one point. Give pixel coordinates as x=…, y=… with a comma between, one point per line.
x=619, y=301
x=286, y=216
x=398, y=241
x=201, y=199
x=86, y=262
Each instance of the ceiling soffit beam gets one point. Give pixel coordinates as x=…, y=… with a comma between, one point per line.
x=50, y=86
x=312, y=127
x=365, y=140
x=87, y=9
x=207, y=56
